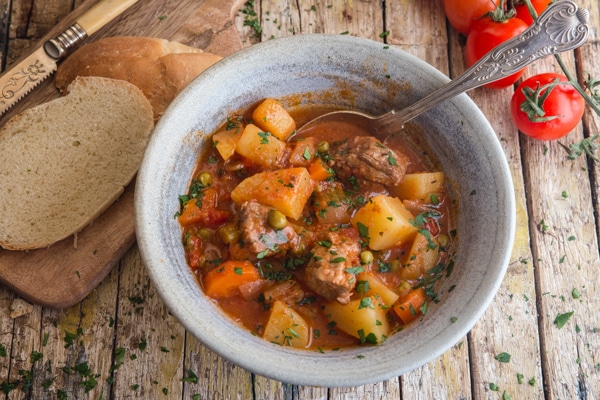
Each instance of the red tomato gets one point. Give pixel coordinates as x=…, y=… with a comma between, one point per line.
x=563, y=108
x=523, y=11
x=461, y=13
x=485, y=35
x=195, y=247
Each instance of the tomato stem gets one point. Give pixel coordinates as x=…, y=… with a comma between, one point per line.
x=530, y=8
x=533, y=105
x=585, y=146
x=500, y=13
x=589, y=100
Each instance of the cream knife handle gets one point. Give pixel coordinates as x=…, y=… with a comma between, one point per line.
x=102, y=13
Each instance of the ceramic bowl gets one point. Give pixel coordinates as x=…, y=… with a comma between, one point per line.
x=351, y=73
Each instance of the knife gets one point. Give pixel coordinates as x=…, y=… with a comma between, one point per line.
x=26, y=75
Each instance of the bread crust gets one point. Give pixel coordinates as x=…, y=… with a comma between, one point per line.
x=65, y=161
x=158, y=67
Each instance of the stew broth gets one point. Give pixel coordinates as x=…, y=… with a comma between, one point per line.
x=328, y=277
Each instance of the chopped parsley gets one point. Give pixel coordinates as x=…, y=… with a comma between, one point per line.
x=503, y=357
x=264, y=137
x=391, y=159
x=561, y=319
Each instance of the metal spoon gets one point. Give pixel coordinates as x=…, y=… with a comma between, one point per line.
x=563, y=26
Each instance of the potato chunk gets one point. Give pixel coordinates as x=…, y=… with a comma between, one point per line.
x=365, y=319
x=260, y=147
x=420, y=186
x=331, y=203
x=225, y=142
x=387, y=221
x=303, y=152
x=372, y=285
x=286, y=327
x=286, y=190
x=272, y=117
x=422, y=257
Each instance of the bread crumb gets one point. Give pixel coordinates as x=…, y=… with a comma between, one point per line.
x=20, y=307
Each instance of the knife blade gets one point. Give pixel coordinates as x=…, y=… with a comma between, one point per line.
x=23, y=77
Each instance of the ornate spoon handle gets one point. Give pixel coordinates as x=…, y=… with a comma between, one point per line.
x=563, y=26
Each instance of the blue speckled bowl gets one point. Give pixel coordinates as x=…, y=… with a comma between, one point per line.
x=351, y=73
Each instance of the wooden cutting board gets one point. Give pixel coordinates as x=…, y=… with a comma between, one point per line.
x=66, y=272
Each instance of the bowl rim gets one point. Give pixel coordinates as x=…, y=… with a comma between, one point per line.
x=309, y=371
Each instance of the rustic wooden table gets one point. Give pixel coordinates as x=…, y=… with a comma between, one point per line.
x=120, y=341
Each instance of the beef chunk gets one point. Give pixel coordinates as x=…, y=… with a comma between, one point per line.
x=326, y=271
x=257, y=238
x=365, y=157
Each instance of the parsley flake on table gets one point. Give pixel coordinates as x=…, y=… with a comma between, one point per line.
x=520, y=378
x=503, y=357
x=191, y=377
x=561, y=319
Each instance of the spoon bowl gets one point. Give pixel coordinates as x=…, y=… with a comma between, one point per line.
x=561, y=27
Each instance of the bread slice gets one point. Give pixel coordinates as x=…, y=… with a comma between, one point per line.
x=65, y=161
x=160, y=68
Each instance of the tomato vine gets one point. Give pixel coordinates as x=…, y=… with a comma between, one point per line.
x=466, y=17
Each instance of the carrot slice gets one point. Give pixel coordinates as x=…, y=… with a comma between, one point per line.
x=207, y=214
x=409, y=308
x=226, y=279
x=318, y=170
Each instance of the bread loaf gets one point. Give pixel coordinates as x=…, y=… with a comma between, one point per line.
x=65, y=161
x=160, y=68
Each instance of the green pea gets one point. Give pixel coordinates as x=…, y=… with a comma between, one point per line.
x=395, y=265
x=229, y=233
x=366, y=257
x=323, y=147
x=404, y=287
x=443, y=240
x=276, y=219
x=205, y=179
x=205, y=233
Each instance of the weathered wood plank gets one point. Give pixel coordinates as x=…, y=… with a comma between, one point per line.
x=427, y=40
x=19, y=18
x=217, y=378
x=566, y=257
x=44, y=16
x=74, y=340
x=510, y=323
x=30, y=21
x=565, y=247
x=98, y=315
x=4, y=28
x=6, y=333
x=148, y=333
x=25, y=340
